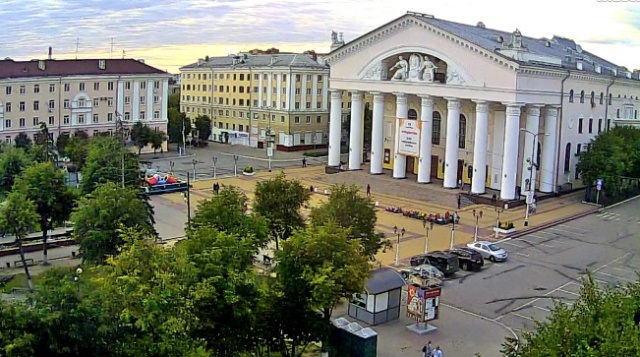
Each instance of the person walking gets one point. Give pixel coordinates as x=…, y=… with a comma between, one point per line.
x=437, y=352
x=427, y=350
x=304, y=162
x=459, y=201
x=368, y=190
x=216, y=188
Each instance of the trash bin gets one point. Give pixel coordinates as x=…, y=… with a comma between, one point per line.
x=364, y=343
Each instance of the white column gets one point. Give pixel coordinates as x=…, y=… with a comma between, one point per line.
x=377, y=134
x=510, y=154
x=314, y=91
x=325, y=91
x=451, y=144
x=150, y=99
x=479, y=178
x=164, y=105
x=547, y=165
x=279, y=93
x=530, y=153
x=120, y=96
x=400, y=161
x=426, y=118
x=335, y=127
x=270, y=91
x=355, y=132
x=260, y=87
x=289, y=90
x=303, y=92
x=135, y=101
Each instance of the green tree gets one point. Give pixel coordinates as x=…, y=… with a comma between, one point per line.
x=23, y=141
x=602, y=322
x=174, y=101
x=12, y=161
x=18, y=216
x=607, y=159
x=104, y=164
x=330, y=264
x=157, y=139
x=102, y=213
x=77, y=149
x=19, y=338
x=44, y=185
x=141, y=135
x=203, y=127
x=347, y=208
x=226, y=212
x=43, y=148
x=61, y=143
x=179, y=126
x=279, y=201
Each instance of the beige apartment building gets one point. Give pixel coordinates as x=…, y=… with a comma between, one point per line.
x=250, y=95
x=80, y=95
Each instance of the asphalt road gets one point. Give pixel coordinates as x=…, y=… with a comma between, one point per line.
x=548, y=267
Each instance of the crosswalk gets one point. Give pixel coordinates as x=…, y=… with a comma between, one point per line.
x=610, y=216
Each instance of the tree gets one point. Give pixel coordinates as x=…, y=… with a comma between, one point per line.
x=174, y=101
x=226, y=212
x=23, y=141
x=178, y=127
x=279, y=201
x=141, y=135
x=203, y=127
x=43, y=150
x=600, y=323
x=12, y=161
x=18, y=216
x=104, y=164
x=102, y=213
x=61, y=143
x=330, y=264
x=77, y=149
x=347, y=208
x=157, y=139
x=44, y=185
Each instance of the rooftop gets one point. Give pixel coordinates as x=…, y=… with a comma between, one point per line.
x=246, y=60
x=80, y=67
x=383, y=280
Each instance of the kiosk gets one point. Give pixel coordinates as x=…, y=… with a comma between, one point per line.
x=380, y=302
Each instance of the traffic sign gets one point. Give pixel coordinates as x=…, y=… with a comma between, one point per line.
x=599, y=184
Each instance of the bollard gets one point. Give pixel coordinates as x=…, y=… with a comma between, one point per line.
x=73, y=254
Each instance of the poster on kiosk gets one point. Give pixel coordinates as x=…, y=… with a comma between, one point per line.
x=423, y=303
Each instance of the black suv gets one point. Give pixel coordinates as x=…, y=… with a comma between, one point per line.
x=469, y=258
x=445, y=262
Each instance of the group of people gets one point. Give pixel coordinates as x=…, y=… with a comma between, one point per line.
x=428, y=351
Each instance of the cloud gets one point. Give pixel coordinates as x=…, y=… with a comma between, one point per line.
x=170, y=33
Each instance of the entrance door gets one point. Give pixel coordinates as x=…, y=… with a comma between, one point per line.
x=410, y=164
x=460, y=169
x=434, y=166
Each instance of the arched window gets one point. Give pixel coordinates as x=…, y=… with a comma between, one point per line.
x=571, y=96
x=610, y=98
x=567, y=158
x=601, y=98
x=462, y=138
x=590, y=125
x=435, y=136
x=599, y=125
x=580, y=120
x=593, y=99
x=412, y=114
x=581, y=96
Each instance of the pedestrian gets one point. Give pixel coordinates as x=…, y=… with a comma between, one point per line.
x=427, y=350
x=368, y=190
x=304, y=162
x=216, y=188
x=437, y=352
x=459, y=201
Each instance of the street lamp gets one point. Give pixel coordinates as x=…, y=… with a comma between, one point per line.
x=532, y=164
x=427, y=226
x=76, y=276
x=235, y=165
x=453, y=230
x=215, y=161
x=194, y=162
x=269, y=138
x=398, y=234
x=498, y=211
x=477, y=215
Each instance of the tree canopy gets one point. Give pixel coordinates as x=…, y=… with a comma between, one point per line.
x=12, y=161
x=104, y=164
x=203, y=127
x=23, y=141
x=178, y=123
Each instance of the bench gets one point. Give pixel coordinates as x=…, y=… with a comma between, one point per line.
x=29, y=261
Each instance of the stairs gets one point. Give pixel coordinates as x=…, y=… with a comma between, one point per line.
x=465, y=201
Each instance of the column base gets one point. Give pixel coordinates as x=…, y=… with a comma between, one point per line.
x=478, y=193
x=376, y=173
x=424, y=183
x=400, y=178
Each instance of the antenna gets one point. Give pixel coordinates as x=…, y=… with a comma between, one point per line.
x=111, y=48
x=124, y=53
x=77, y=46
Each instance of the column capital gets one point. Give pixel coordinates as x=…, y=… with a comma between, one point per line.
x=426, y=100
x=401, y=98
x=378, y=97
x=356, y=96
x=534, y=109
x=481, y=106
x=513, y=109
x=400, y=94
x=452, y=103
x=335, y=94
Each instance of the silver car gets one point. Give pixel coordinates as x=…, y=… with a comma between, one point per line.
x=489, y=250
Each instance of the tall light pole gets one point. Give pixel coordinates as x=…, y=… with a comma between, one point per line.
x=398, y=234
x=427, y=226
x=453, y=230
x=532, y=164
x=269, y=138
x=477, y=215
x=215, y=161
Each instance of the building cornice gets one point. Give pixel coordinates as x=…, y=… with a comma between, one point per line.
x=86, y=77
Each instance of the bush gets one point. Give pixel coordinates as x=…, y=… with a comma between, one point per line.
x=506, y=225
x=248, y=169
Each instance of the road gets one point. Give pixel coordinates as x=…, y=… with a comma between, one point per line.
x=548, y=266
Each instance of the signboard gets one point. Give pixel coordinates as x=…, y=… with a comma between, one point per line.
x=423, y=304
x=599, y=184
x=409, y=137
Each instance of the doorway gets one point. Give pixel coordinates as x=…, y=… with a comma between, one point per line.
x=460, y=170
x=434, y=166
x=410, y=164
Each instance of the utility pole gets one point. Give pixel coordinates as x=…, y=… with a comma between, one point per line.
x=77, y=46
x=111, y=53
x=189, y=200
x=124, y=53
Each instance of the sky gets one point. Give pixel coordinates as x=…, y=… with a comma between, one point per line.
x=169, y=34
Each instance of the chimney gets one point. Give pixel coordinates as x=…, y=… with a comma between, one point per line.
x=41, y=65
x=274, y=59
x=50, y=52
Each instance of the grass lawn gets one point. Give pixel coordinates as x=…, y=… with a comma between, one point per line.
x=20, y=280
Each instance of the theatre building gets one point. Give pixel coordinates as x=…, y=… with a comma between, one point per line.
x=465, y=103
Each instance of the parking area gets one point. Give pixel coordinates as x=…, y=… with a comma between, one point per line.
x=548, y=267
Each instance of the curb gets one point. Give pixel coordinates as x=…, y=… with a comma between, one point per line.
x=168, y=158
x=549, y=224
x=619, y=203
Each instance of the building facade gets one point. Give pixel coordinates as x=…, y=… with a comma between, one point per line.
x=248, y=96
x=80, y=95
x=465, y=103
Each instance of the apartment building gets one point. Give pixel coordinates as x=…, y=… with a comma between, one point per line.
x=250, y=95
x=80, y=95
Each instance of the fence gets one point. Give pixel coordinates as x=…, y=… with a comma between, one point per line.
x=629, y=187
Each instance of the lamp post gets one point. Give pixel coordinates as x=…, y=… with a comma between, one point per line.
x=532, y=164
x=398, y=234
x=498, y=211
x=235, y=165
x=187, y=198
x=76, y=277
x=194, y=162
x=427, y=226
x=269, y=138
x=477, y=215
x=215, y=161
x=453, y=230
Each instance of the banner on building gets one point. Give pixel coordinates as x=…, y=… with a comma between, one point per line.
x=409, y=137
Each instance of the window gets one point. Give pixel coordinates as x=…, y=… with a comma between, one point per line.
x=52, y=104
x=36, y=88
x=581, y=96
x=601, y=98
x=580, y=126
x=590, y=125
x=437, y=120
x=80, y=118
x=617, y=113
x=593, y=99
x=599, y=125
x=127, y=116
x=67, y=87
x=110, y=102
x=297, y=78
x=255, y=103
x=8, y=90
x=143, y=100
x=156, y=115
x=297, y=105
x=96, y=86
x=22, y=122
x=610, y=98
x=156, y=84
x=96, y=102
x=36, y=105
x=241, y=102
x=578, y=149
x=156, y=99
x=412, y=114
x=7, y=123
x=571, y=96
x=66, y=104
x=282, y=119
x=127, y=85
x=82, y=103
x=23, y=90
x=66, y=120
x=567, y=158
x=608, y=124
x=7, y=107
x=51, y=120
x=96, y=118
x=142, y=115
x=109, y=116
x=462, y=137
x=36, y=121
x=127, y=100
x=52, y=88
x=81, y=86
x=143, y=84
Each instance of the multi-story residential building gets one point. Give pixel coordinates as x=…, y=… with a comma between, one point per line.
x=80, y=95
x=248, y=96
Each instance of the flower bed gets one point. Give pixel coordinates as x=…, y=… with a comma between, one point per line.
x=437, y=218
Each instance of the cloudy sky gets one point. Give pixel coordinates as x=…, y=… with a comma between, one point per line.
x=172, y=33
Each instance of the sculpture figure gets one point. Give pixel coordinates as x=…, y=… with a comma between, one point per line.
x=415, y=62
x=403, y=70
x=428, y=68
x=334, y=37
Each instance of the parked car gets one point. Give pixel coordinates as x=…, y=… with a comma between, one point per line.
x=424, y=275
x=489, y=250
x=469, y=259
x=445, y=262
